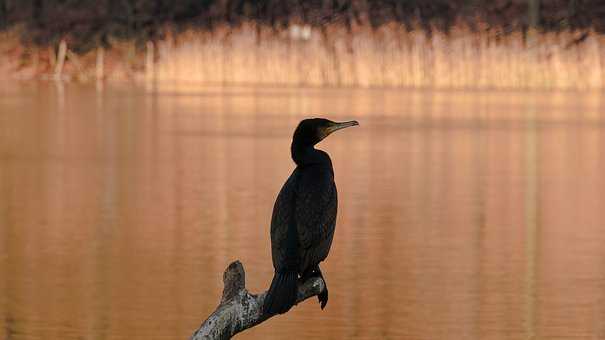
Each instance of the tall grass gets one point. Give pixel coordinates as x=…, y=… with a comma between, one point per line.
x=386, y=57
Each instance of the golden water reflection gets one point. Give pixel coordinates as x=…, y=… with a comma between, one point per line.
x=463, y=215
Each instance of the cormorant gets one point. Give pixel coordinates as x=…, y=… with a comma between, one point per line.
x=304, y=216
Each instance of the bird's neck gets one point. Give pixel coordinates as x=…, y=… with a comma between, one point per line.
x=307, y=155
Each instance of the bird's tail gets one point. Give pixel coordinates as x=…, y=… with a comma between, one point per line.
x=282, y=293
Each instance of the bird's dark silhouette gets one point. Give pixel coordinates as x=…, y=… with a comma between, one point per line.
x=304, y=216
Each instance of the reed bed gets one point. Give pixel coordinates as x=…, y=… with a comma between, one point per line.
x=389, y=56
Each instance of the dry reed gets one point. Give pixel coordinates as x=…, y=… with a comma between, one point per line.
x=386, y=57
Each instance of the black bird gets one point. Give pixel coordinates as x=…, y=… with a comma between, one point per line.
x=304, y=216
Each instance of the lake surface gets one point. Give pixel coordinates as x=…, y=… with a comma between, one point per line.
x=463, y=215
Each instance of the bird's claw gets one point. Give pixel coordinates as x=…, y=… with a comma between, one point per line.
x=323, y=298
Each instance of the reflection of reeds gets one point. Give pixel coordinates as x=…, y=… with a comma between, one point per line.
x=389, y=56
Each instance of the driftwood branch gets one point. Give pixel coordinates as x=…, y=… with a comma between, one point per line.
x=240, y=310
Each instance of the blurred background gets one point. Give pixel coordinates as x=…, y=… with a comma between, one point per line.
x=143, y=143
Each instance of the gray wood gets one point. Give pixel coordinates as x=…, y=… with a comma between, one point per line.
x=533, y=13
x=239, y=310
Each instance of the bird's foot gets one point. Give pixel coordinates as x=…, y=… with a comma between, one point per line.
x=323, y=297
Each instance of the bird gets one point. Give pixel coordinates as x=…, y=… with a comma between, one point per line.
x=304, y=216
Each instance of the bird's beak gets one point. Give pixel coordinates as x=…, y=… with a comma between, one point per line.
x=338, y=126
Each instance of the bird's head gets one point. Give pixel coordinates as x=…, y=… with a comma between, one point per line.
x=313, y=130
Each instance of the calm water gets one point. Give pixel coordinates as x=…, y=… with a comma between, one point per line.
x=462, y=215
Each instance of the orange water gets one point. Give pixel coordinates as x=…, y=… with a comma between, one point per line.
x=463, y=215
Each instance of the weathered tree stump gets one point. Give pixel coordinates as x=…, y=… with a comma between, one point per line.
x=240, y=310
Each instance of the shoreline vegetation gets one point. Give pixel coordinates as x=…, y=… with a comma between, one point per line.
x=437, y=44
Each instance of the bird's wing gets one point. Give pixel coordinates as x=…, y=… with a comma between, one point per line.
x=284, y=243
x=315, y=215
